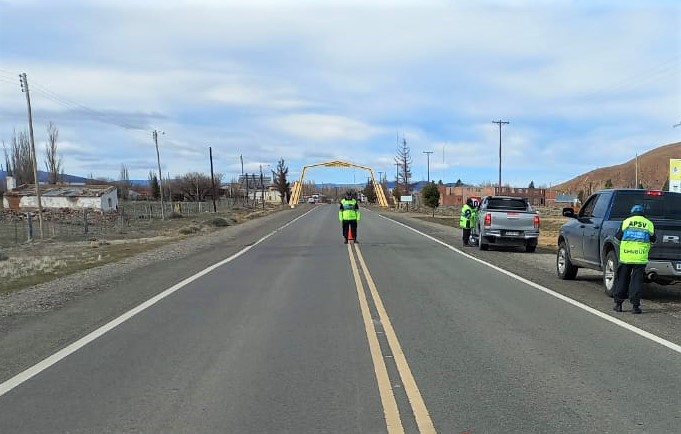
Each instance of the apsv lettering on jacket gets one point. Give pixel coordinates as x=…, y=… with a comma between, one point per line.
x=638, y=224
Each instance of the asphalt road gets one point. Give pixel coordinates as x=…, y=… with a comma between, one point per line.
x=292, y=331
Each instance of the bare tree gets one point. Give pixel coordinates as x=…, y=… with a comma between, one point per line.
x=53, y=161
x=280, y=182
x=18, y=158
x=195, y=186
x=403, y=161
x=124, y=183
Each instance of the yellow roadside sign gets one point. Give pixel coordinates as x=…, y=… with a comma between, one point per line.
x=675, y=174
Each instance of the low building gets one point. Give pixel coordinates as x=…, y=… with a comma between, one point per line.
x=97, y=197
x=535, y=196
x=457, y=196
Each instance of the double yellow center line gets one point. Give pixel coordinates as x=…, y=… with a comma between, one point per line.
x=390, y=409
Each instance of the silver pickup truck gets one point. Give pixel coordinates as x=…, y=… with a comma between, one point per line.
x=506, y=221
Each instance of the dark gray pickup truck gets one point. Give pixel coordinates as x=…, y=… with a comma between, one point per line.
x=588, y=239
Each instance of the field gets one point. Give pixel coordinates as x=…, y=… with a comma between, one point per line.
x=39, y=261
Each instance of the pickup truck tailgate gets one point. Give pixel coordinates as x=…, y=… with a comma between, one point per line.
x=668, y=244
x=512, y=221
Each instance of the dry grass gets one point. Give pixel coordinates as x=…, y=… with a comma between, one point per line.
x=41, y=261
x=548, y=234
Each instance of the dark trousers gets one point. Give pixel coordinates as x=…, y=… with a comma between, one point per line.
x=466, y=235
x=350, y=224
x=629, y=281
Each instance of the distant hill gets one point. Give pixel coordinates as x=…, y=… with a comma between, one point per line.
x=653, y=172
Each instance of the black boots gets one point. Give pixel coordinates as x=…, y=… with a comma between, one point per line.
x=635, y=309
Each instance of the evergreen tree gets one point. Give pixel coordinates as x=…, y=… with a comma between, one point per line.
x=154, y=186
x=531, y=184
x=431, y=196
x=403, y=161
x=280, y=182
x=370, y=192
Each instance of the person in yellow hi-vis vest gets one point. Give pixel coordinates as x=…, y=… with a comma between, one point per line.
x=467, y=220
x=635, y=234
x=348, y=215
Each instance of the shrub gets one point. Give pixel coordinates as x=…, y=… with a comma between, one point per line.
x=187, y=230
x=175, y=215
x=219, y=222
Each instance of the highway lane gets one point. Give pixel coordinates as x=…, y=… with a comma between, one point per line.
x=275, y=340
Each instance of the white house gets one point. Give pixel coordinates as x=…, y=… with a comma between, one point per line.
x=97, y=197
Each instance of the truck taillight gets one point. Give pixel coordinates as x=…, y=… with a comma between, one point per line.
x=536, y=222
x=488, y=219
x=654, y=193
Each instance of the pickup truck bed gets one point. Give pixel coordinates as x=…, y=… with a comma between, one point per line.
x=506, y=221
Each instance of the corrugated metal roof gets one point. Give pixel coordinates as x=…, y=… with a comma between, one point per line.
x=62, y=190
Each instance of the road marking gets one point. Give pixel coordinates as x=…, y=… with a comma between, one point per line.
x=671, y=345
x=418, y=406
x=80, y=343
x=390, y=410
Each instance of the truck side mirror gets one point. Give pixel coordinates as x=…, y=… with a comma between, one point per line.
x=569, y=212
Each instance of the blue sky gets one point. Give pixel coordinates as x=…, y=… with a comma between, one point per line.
x=584, y=84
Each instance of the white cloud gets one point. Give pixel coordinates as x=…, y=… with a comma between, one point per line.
x=324, y=127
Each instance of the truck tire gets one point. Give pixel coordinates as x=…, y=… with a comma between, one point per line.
x=530, y=246
x=564, y=267
x=482, y=245
x=610, y=273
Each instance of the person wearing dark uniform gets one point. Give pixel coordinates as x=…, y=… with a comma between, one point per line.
x=467, y=220
x=348, y=215
x=635, y=234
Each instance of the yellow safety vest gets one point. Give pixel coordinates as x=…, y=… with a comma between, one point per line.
x=466, y=222
x=635, y=244
x=348, y=210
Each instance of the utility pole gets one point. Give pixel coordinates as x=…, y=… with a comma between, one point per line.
x=428, y=155
x=241, y=157
x=500, y=123
x=24, y=88
x=160, y=175
x=212, y=178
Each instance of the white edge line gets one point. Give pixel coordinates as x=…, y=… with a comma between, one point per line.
x=638, y=331
x=80, y=343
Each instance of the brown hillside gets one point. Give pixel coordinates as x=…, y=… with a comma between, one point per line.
x=653, y=171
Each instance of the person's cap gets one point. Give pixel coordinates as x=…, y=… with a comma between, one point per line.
x=637, y=209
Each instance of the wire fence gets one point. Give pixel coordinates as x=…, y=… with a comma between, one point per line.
x=77, y=224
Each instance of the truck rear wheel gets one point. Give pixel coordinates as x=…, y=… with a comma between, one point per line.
x=530, y=246
x=610, y=273
x=564, y=267
x=482, y=245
